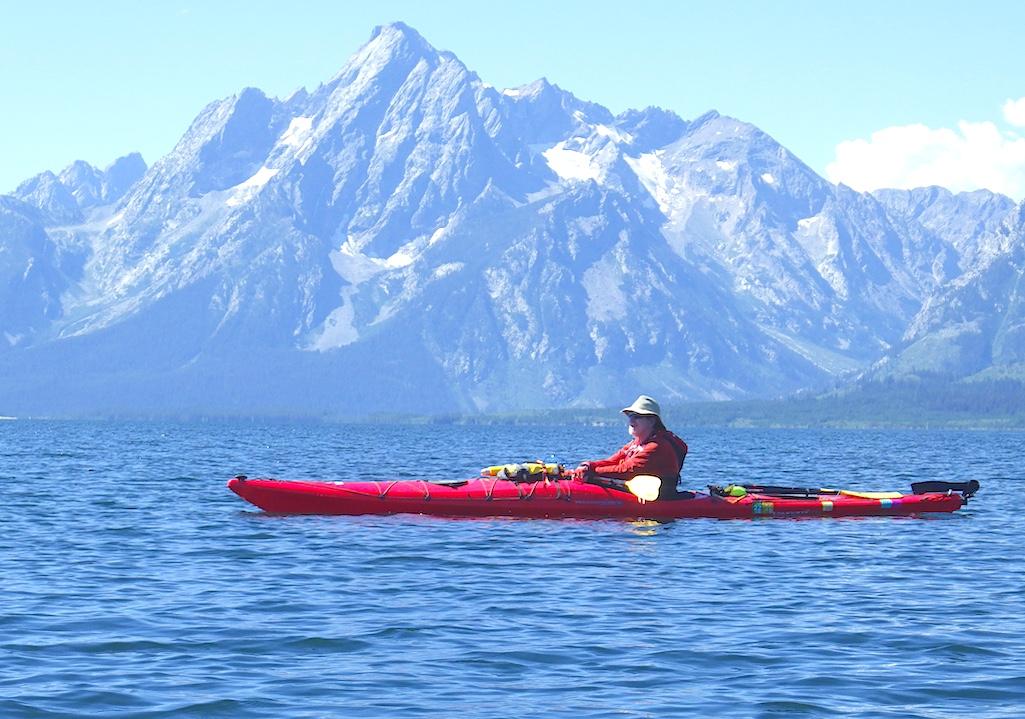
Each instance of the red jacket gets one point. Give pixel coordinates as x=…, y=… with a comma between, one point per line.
x=662, y=456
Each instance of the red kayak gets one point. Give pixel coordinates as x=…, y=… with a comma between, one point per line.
x=486, y=497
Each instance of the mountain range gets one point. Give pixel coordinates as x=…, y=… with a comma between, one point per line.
x=407, y=238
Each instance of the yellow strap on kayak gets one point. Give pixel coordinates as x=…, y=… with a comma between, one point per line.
x=870, y=495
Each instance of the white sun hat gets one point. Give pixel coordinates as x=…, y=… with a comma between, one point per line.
x=644, y=405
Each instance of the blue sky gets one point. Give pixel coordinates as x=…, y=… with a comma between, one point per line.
x=870, y=93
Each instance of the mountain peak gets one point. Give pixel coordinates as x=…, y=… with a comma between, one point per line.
x=133, y=162
x=46, y=177
x=710, y=116
x=392, y=49
x=397, y=30
x=543, y=90
x=540, y=86
x=121, y=174
x=651, y=127
x=84, y=181
x=550, y=112
x=78, y=168
x=48, y=194
x=397, y=39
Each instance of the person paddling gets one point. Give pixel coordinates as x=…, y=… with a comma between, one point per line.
x=654, y=450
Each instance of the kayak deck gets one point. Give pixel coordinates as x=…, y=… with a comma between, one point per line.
x=562, y=498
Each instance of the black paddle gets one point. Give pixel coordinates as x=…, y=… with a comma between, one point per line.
x=965, y=488
x=968, y=488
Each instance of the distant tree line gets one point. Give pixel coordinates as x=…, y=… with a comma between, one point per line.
x=925, y=400
x=922, y=400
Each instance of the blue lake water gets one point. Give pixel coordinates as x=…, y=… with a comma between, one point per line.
x=135, y=585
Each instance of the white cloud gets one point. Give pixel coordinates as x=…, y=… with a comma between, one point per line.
x=1014, y=112
x=974, y=155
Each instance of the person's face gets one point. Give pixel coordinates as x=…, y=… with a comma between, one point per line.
x=641, y=426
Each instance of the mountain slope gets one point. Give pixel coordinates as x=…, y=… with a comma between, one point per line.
x=30, y=279
x=977, y=323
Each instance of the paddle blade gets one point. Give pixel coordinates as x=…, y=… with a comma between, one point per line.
x=966, y=488
x=644, y=486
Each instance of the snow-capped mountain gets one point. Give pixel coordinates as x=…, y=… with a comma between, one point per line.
x=406, y=237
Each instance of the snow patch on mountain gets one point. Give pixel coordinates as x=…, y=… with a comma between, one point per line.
x=652, y=173
x=298, y=134
x=550, y=189
x=446, y=269
x=571, y=165
x=613, y=134
x=437, y=236
x=338, y=329
x=356, y=268
x=245, y=191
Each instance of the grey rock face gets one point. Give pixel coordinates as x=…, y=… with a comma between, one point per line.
x=65, y=199
x=977, y=322
x=968, y=221
x=120, y=176
x=30, y=280
x=408, y=237
x=84, y=182
x=46, y=193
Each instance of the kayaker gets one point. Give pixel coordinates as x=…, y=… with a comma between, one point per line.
x=654, y=450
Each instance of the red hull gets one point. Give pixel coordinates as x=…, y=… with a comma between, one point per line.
x=501, y=498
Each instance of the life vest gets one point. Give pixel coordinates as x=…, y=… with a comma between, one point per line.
x=678, y=445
